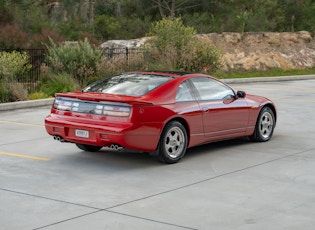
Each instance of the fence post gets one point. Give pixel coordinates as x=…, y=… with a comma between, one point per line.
x=127, y=55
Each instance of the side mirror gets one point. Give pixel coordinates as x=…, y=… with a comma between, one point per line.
x=241, y=94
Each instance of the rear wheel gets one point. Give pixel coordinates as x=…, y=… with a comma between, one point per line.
x=265, y=125
x=173, y=143
x=89, y=148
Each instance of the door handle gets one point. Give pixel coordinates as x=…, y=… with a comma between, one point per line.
x=205, y=109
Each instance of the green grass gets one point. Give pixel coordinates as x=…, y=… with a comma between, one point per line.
x=270, y=73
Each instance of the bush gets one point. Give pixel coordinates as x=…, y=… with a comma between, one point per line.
x=118, y=64
x=77, y=59
x=176, y=47
x=18, y=92
x=12, y=91
x=37, y=95
x=200, y=56
x=13, y=65
x=170, y=32
x=13, y=37
x=4, y=93
x=57, y=83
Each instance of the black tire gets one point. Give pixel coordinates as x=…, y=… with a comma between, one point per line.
x=173, y=143
x=264, y=126
x=89, y=148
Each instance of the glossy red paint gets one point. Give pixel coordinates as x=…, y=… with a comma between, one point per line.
x=204, y=120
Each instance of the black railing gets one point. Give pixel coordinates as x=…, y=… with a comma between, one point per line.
x=37, y=59
x=126, y=54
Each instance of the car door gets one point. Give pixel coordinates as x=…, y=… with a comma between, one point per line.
x=224, y=115
x=188, y=108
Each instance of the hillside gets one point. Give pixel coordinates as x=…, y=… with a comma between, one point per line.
x=263, y=51
x=254, y=51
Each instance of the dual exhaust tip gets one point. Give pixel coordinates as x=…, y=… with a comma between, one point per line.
x=113, y=147
x=59, y=138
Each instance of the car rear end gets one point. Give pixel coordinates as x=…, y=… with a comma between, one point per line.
x=117, y=111
x=85, y=118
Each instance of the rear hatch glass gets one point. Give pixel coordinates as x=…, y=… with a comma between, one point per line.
x=133, y=84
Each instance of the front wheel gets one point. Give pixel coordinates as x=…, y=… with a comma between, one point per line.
x=89, y=148
x=173, y=143
x=265, y=125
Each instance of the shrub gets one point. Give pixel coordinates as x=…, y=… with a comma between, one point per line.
x=13, y=65
x=118, y=64
x=37, y=95
x=162, y=60
x=200, y=56
x=170, y=32
x=111, y=67
x=13, y=37
x=4, y=93
x=12, y=91
x=77, y=59
x=18, y=92
x=56, y=83
x=176, y=47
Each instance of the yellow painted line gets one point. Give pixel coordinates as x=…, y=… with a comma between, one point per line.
x=18, y=123
x=25, y=156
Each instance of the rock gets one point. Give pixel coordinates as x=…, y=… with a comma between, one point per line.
x=232, y=38
x=252, y=51
x=264, y=51
x=133, y=43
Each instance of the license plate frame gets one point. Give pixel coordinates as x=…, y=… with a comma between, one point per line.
x=82, y=133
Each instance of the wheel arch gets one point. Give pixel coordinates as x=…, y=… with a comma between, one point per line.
x=183, y=122
x=164, y=152
x=273, y=108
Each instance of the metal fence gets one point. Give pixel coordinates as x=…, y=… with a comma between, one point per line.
x=37, y=58
x=125, y=54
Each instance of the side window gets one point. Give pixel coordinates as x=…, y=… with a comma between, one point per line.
x=184, y=93
x=210, y=89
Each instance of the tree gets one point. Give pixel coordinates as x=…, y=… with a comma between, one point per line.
x=169, y=8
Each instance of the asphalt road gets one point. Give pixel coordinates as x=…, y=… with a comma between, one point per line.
x=234, y=184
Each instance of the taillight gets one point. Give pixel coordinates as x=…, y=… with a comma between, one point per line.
x=62, y=104
x=107, y=108
x=118, y=111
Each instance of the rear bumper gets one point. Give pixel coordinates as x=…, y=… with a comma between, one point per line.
x=141, y=137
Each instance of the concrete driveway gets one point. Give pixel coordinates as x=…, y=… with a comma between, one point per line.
x=233, y=184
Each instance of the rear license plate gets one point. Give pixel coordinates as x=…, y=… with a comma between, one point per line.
x=82, y=133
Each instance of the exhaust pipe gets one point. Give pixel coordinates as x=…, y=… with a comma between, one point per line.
x=59, y=138
x=115, y=147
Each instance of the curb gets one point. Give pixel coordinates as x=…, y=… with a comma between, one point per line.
x=268, y=79
x=26, y=104
x=49, y=101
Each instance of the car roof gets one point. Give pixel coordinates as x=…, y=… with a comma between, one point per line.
x=170, y=73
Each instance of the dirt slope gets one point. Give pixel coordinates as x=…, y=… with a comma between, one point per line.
x=263, y=51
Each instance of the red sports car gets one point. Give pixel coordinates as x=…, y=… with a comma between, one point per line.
x=163, y=112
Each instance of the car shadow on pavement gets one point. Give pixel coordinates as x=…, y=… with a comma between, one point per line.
x=212, y=147
x=128, y=159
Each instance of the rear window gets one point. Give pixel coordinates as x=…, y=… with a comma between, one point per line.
x=128, y=84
